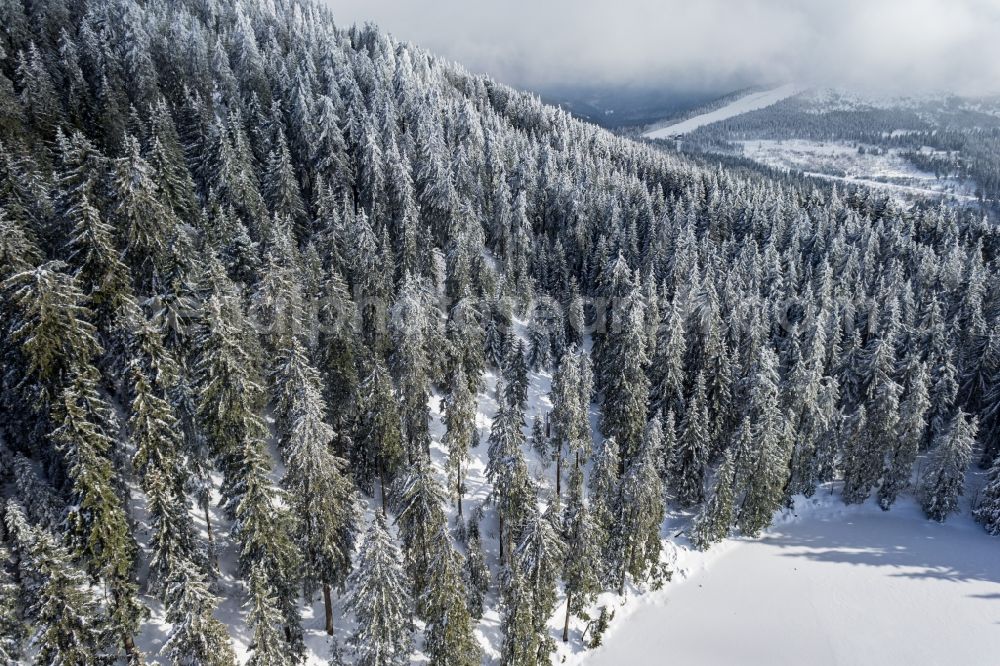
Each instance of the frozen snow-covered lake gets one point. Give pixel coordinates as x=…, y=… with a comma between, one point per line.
x=837, y=585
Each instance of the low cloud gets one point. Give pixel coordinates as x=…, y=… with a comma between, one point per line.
x=892, y=45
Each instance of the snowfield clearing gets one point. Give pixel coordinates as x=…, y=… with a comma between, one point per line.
x=751, y=102
x=840, y=161
x=833, y=585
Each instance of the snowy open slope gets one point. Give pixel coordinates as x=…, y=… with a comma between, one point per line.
x=834, y=585
x=841, y=161
x=751, y=102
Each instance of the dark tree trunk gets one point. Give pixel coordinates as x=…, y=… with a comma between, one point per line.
x=500, y=519
x=381, y=481
x=569, y=600
x=458, y=490
x=211, y=540
x=559, y=471
x=328, y=607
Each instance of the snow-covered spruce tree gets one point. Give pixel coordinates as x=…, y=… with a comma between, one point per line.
x=380, y=600
x=570, y=421
x=715, y=519
x=477, y=571
x=276, y=306
x=148, y=226
x=338, y=344
x=603, y=501
x=449, y=638
x=515, y=372
x=912, y=426
x=465, y=335
x=51, y=327
x=38, y=96
x=941, y=483
x=291, y=376
x=196, y=637
x=377, y=447
x=97, y=523
x=322, y=498
x=12, y=628
x=229, y=390
x=166, y=158
x=153, y=430
x=862, y=468
x=263, y=527
x=639, y=512
x=410, y=363
x=267, y=644
x=990, y=434
x=539, y=558
x=371, y=272
x=689, y=464
x=280, y=187
x=768, y=464
x=64, y=617
x=667, y=367
x=806, y=411
x=512, y=491
x=520, y=645
x=582, y=563
x=95, y=256
x=43, y=506
x=987, y=510
x=626, y=387
x=943, y=390
x=420, y=502
x=459, y=406
x=539, y=352
x=539, y=441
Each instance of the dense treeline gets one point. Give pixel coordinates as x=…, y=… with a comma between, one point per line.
x=242, y=250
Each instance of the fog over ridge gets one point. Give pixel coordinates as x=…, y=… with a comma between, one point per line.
x=896, y=46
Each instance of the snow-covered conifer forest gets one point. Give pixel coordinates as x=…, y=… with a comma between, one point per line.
x=317, y=347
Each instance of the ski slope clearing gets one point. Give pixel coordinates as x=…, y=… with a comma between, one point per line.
x=833, y=585
x=751, y=102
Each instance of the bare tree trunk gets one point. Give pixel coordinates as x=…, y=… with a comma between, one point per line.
x=500, y=519
x=208, y=525
x=559, y=471
x=381, y=481
x=132, y=653
x=328, y=606
x=458, y=489
x=569, y=600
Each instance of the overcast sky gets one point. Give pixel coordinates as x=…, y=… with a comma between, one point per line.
x=905, y=44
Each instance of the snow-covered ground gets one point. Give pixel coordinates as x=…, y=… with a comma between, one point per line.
x=830, y=585
x=745, y=104
x=842, y=161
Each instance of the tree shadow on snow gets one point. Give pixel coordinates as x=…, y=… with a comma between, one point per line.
x=919, y=549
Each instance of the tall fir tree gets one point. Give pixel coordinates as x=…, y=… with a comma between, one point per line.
x=942, y=481
x=688, y=466
x=449, y=638
x=380, y=601
x=64, y=617
x=582, y=563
